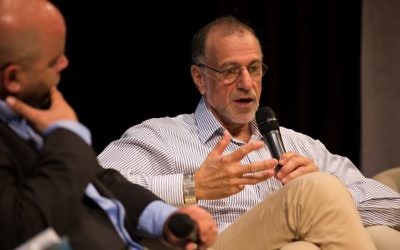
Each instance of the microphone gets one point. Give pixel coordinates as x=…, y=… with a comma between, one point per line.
x=269, y=128
x=183, y=227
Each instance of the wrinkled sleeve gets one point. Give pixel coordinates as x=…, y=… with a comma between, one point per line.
x=143, y=155
x=376, y=203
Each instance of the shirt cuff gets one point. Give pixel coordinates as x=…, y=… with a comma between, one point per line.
x=73, y=126
x=153, y=218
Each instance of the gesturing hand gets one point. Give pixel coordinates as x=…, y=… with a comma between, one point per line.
x=221, y=176
x=42, y=119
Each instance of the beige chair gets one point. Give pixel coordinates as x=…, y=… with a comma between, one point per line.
x=384, y=237
x=390, y=177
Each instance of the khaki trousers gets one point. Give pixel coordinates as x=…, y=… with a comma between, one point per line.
x=315, y=207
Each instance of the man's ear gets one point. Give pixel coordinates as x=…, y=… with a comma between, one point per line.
x=10, y=78
x=197, y=79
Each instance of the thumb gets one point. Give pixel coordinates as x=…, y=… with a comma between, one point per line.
x=20, y=107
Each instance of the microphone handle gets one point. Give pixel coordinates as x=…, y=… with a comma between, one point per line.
x=275, y=145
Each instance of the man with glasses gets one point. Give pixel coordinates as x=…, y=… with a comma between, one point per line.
x=232, y=73
x=215, y=157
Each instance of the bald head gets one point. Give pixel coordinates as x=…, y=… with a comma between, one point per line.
x=32, y=43
x=24, y=25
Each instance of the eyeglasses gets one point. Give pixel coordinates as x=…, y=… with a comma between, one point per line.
x=230, y=75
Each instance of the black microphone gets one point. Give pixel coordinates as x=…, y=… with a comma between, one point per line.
x=183, y=227
x=269, y=128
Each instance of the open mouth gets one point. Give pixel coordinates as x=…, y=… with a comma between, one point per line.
x=244, y=100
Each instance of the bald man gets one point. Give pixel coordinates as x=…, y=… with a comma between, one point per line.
x=49, y=175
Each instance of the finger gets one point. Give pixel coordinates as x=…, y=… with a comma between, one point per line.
x=55, y=96
x=241, y=152
x=288, y=162
x=293, y=163
x=261, y=175
x=251, y=179
x=222, y=144
x=191, y=246
x=21, y=108
x=297, y=166
x=258, y=166
x=296, y=173
x=286, y=157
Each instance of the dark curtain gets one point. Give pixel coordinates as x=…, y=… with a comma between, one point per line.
x=129, y=63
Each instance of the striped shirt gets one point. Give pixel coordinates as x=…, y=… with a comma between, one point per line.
x=157, y=152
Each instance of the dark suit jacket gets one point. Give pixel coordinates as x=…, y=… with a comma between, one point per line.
x=41, y=189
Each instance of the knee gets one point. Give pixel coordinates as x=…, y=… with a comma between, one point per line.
x=321, y=179
x=319, y=184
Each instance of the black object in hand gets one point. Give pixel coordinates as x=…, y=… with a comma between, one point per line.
x=183, y=227
x=269, y=128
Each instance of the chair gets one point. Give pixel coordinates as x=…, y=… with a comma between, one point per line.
x=385, y=237
x=390, y=178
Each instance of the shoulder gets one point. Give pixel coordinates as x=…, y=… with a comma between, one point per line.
x=288, y=132
x=290, y=136
x=163, y=124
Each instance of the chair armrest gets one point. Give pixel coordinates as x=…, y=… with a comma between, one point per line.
x=390, y=178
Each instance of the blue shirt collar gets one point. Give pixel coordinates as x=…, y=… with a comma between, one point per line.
x=18, y=124
x=6, y=114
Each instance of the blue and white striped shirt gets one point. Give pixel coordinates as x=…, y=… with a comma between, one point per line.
x=157, y=152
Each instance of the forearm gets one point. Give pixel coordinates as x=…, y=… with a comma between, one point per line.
x=167, y=187
x=376, y=203
x=148, y=166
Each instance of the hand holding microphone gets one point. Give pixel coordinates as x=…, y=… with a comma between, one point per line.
x=296, y=165
x=183, y=227
x=191, y=227
x=269, y=128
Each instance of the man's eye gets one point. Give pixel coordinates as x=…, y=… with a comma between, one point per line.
x=255, y=69
x=232, y=71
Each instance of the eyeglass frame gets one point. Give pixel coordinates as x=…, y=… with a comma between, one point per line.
x=264, y=69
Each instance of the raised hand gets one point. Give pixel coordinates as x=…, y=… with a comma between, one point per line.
x=223, y=175
x=41, y=119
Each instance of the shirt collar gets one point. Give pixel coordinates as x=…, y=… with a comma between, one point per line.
x=6, y=114
x=211, y=127
x=18, y=124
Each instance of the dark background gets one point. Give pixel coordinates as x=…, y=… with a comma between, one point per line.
x=130, y=61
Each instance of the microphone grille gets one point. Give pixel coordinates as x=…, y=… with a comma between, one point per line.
x=181, y=225
x=266, y=120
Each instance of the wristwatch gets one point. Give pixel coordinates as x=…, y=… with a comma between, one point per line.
x=189, y=196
